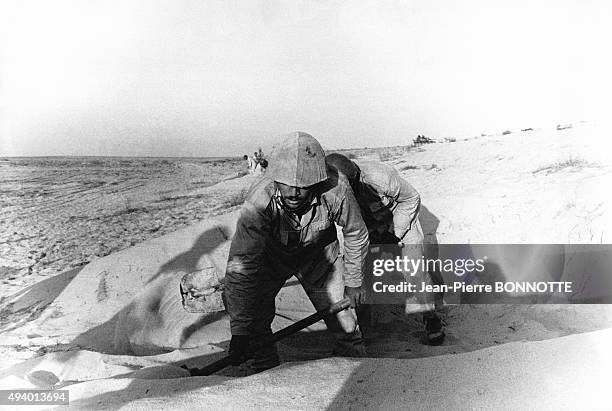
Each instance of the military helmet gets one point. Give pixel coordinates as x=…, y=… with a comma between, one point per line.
x=343, y=164
x=298, y=161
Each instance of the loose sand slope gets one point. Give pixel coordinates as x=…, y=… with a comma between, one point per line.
x=542, y=186
x=519, y=375
x=120, y=316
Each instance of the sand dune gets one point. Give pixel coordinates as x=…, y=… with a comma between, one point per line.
x=516, y=375
x=114, y=332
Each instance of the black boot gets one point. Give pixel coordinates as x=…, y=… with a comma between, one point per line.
x=434, y=333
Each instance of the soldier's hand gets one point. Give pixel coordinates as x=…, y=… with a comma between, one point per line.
x=357, y=295
x=238, y=349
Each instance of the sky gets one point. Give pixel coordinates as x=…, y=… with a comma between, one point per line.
x=216, y=78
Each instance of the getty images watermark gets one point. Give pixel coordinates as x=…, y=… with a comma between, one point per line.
x=492, y=273
x=459, y=267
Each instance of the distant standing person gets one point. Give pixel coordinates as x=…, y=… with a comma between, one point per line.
x=256, y=165
x=390, y=208
x=259, y=154
x=263, y=164
x=260, y=162
x=250, y=163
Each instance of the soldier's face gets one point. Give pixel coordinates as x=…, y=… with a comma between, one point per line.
x=295, y=199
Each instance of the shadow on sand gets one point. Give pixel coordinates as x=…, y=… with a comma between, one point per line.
x=187, y=262
x=31, y=301
x=469, y=328
x=139, y=328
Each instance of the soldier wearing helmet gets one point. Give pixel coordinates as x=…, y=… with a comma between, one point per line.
x=390, y=208
x=287, y=227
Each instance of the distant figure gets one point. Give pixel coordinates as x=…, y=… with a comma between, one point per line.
x=250, y=163
x=260, y=154
x=263, y=164
x=258, y=158
x=256, y=167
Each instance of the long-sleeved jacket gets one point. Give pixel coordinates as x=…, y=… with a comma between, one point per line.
x=269, y=239
x=387, y=201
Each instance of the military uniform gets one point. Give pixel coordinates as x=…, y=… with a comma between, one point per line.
x=272, y=244
x=390, y=208
x=388, y=203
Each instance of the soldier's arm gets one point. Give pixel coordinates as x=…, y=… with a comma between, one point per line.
x=355, y=235
x=407, y=205
x=245, y=262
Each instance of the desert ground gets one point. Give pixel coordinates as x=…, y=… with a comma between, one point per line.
x=61, y=213
x=113, y=331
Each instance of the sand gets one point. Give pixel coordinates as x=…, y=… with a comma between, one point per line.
x=61, y=213
x=113, y=332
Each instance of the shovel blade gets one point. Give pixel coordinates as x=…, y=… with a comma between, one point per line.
x=201, y=291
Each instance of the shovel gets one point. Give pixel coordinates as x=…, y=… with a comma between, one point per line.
x=277, y=336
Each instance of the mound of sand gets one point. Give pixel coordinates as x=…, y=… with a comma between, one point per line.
x=130, y=302
x=108, y=330
x=515, y=375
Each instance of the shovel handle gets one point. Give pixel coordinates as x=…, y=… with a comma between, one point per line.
x=279, y=335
